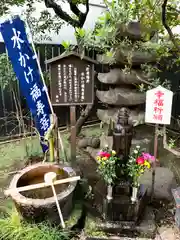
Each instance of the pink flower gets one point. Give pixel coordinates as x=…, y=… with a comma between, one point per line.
x=152, y=159
x=148, y=157
x=140, y=160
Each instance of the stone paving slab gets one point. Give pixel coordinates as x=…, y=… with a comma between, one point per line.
x=135, y=238
x=168, y=233
x=164, y=233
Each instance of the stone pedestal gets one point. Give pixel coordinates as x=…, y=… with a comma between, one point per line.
x=123, y=210
x=120, y=208
x=117, y=230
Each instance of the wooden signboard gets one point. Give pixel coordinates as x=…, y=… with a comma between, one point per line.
x=158, y=105
x=158, y=111
x=72, y=84
x=72, y=80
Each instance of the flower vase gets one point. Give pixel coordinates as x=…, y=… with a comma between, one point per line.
x=109, y=192
x=134, y=194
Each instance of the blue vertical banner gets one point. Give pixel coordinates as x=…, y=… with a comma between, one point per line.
x=24, y=62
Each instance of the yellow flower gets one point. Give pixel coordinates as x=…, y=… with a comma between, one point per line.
x=147, y=164
x=104, y=158
x=98, y=158
x=142, y=171
x=113, y=152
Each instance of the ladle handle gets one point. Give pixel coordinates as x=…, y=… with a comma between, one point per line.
x=58, y=207
x=40, y=185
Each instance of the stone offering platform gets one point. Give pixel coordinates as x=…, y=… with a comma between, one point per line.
x=122, y=230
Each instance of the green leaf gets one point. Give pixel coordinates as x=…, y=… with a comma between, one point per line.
x=80, y=32
x=66, y=44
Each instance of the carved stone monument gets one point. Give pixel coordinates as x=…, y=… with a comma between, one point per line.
x=120, y=81
x=116, y=90
x=118, y=213
x=121, y=208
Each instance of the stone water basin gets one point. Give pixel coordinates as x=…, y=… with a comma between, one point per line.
x=39, y=205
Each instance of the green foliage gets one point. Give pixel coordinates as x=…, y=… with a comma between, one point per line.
x=66, y=45
x=92, y=230
x=46, y=21
x=4, y=8
x=47, y=78
x=12, y=227
x=7, y=75
x=171, y=143
x=80, y=32
x=79, y=1
x=104, y=38
x=41, y=25
x=151, y=72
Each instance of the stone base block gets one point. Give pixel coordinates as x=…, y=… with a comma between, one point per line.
x=119, y=230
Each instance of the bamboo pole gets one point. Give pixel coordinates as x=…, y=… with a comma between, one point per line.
x=42, y=76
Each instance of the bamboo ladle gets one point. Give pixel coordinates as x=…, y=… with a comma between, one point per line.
x=49, y=178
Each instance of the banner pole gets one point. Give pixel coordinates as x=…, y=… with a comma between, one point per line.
x=39, y=66
x=42, y=77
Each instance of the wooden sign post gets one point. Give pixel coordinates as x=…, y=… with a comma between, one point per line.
x=73, y=132
x=72, y=84
x=158, y=111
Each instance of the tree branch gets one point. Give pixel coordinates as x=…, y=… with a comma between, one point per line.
x=82, y=16
x=63, y=15
x=164, y=22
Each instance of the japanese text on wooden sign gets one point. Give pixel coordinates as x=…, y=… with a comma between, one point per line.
x=158, y=105
x=72, y=82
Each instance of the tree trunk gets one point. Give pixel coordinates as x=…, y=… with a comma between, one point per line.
x=83, y=117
